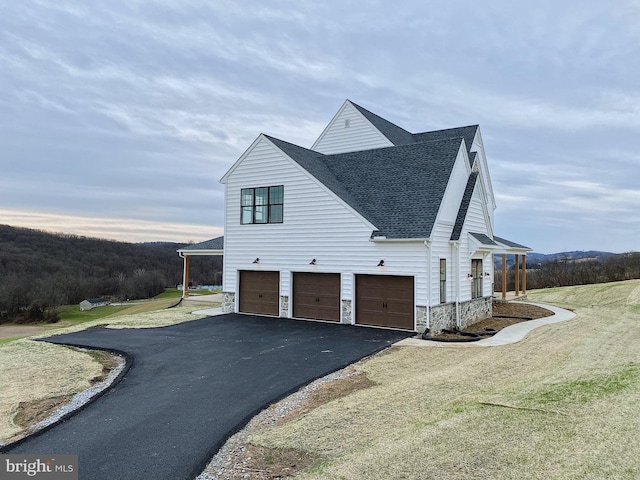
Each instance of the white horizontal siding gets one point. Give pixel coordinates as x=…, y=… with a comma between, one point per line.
x=358, y=135
x=441, y=248
x=475, y=222
x=316, y=225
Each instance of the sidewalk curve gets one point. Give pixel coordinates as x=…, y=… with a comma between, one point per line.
x=511, y=334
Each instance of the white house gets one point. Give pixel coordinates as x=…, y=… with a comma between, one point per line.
x=372, y=225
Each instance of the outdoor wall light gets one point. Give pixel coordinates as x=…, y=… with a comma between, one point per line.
x=257, y=260
x=487, y=274
x=381, y=263
x=469, y=275
x=312, y=262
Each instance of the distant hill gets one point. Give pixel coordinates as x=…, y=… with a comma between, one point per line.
x=59, y=269
x=534, y=258
x=571, y=268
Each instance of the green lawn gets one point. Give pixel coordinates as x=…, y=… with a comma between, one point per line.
x=72, y=312
x=175, y=293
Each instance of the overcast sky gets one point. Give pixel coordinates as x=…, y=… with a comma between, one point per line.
x=117, y=119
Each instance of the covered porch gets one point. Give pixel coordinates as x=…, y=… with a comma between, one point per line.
x=507, y=247
x=215, y=246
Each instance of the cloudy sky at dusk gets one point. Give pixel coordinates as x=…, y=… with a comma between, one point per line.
x=117, y=119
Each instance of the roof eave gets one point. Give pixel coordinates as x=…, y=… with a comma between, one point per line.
x=187, y=252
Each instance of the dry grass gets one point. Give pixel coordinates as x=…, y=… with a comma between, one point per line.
x=562, y=404
x=36, y=374
x=35, y=371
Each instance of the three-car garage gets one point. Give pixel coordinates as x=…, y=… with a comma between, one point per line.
x=380, y=300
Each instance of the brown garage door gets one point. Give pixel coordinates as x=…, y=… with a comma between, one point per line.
x=260, y=292
x=384, y=301
x=317, y=296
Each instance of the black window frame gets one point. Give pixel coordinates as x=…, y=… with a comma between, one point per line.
x=256, y=209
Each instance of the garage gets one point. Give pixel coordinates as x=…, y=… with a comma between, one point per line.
x=260, y=292
x=385, y=301
x=316, y=296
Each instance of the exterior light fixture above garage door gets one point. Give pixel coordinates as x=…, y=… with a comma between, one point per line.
x=381, y=263
x=312, y=262
x=257, y=260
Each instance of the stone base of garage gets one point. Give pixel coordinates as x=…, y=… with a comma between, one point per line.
x=444, y=315
x=228, y=302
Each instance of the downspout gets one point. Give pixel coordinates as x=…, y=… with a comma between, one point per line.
x=456, y=248
x=427, y=244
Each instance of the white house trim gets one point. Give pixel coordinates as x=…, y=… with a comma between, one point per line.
x=381, y=208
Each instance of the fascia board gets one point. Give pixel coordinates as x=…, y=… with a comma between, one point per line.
x=345, y=105
x=224, y=178
x=476, y=246
x=462, y=152
x=188, y=253
x=484, y=166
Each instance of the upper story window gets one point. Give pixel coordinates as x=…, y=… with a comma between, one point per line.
x=261, y=204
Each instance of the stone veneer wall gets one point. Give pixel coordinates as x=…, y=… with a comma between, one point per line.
x=346, y=311
x=472, y=311
x=228, y=302
x=421, y=318
x=475, y=310
x=442, y=316
x=284, y=306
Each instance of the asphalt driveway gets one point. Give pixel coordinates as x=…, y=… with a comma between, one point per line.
x=193, y=385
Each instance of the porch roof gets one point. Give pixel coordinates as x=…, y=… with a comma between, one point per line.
x=509, y=247
x=215, y=246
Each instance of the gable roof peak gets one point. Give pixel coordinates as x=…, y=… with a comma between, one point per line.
x=392, y=132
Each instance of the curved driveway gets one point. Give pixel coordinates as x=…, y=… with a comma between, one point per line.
x=193, y=385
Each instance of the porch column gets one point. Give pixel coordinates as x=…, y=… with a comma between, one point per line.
x=504, y=276
x=517, y=275
x=185, y=278
x=524, y=274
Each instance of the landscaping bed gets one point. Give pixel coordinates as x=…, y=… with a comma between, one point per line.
x=504, y=315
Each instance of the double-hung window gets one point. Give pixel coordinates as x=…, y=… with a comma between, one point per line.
x=476, y=281
x=262, y=205
x=443, y=280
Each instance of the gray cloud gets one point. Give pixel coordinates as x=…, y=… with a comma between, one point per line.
x=131, y=112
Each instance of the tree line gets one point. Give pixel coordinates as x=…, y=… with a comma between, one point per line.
x=40, y=271
x=562, y=271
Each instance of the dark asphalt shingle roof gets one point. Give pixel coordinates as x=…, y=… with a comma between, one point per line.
x=509, y=243
x=464, y=206
x=96, y=300
x=468, y=133
x=213, y=244
x=483, y=239
x=398, y=189
x=399, y=136
x=395, y=134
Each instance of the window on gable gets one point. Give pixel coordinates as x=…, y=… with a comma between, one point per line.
x=261, y=205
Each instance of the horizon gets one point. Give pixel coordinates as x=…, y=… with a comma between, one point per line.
x=188, y=242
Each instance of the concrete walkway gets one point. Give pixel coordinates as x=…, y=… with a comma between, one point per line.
x=507, y=335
